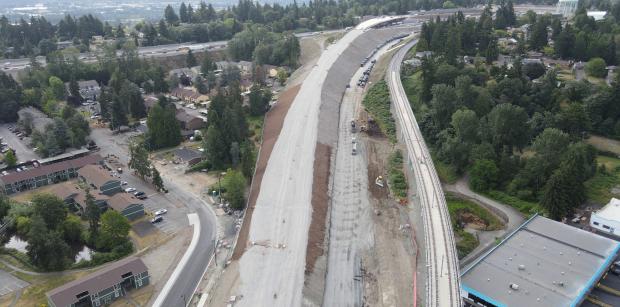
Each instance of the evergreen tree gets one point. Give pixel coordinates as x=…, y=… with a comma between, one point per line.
x=207, y=65
x=171, y=16
x=190, y=60
x=92, y=214
x=118, y=115
x=157, y=181
x=9, y=158
x=183, y=14
x=139, y=159
x=164, y=130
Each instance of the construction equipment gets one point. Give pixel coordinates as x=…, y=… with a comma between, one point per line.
x=379, y=181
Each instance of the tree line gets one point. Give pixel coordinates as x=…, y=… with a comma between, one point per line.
x=505, y=131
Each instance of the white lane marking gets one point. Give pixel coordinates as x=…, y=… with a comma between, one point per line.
x=193, y=220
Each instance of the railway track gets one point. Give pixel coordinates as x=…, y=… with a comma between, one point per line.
x=442, y=286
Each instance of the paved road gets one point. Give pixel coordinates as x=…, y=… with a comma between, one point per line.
x=179, y=202
x=442, y=288
x=514, y=218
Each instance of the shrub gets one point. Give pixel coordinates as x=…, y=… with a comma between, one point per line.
x=596, y=67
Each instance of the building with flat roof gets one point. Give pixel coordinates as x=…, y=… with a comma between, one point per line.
x=607, y=219
x=542, y=263
x=102, y=287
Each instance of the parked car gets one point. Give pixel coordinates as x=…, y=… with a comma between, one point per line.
x=124, y=183
x=130, y=190
x=139, y=193
x=161, y=212
x=157, y=219
x=142, y=197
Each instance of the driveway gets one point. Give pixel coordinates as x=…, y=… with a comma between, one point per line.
x=512, y=218
x=23, y=152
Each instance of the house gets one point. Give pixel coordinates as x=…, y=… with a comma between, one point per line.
x=423, y=54
x=102, y=287
x=271, y=70
x=607, y=219
x=541, y=263
x=127, y=205
x=100, y=179
x=89, y=89
x=45, y=174
x=188, y=95
x=64, y=45
x=507, y=43
x=188, y=155
x=184, y=72
x=244, y=67
x=188, y=121
x=597, y=15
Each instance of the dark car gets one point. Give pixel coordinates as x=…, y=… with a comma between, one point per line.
x=141, y=197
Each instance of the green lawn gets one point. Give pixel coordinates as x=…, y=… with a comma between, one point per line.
x=458, y=205
x=412, y=86
x=599, y=188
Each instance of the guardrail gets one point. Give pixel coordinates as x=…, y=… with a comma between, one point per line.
x=442, y=285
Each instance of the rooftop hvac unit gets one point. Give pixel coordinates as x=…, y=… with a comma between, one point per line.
x=514, y=286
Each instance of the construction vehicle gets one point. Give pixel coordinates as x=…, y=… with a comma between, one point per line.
x=353, y=126
x=354, y=150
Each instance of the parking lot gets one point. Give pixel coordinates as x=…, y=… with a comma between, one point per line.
x=116, y=146
x=8, y=283
x=22, y=151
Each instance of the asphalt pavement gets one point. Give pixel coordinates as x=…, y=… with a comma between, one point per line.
x=22, y=151
x=179, y=203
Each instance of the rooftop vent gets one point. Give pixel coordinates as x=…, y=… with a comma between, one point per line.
x=514, y=286
x=521, y=267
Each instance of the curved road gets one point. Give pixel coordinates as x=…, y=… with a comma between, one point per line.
x=183, y=289
x=442, y=288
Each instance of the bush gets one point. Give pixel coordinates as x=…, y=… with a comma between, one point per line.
x=525, y=207
x=596, y=67
x=466, y=244
x=377, y=103
x=397, y=180
x=204, y=164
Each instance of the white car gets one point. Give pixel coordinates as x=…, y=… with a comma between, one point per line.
x=160, y=212
x=124, y=183
x=130, y=190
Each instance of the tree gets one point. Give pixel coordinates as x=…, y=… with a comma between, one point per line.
x=118, y=115
x=5, y=205
x=74, y=91
x=534, y=70
x=190, y=60
x=57, y=87
x=483, y=175
x=282, y=75
x=114, y=230
x=234, y=183
x=164, y=130
x=259, y=99
x=92, y=213
x=72, y=229
x=171, y=16
x=596, y=67
x=131, y=95
x=207, y=65
x=50, y=208
x=157, y=181
x=183, y=14
x=562, y=194
x=9, y=158
x=139, y=159
x=46, y=249
x=248, y=158
x=508, y=126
